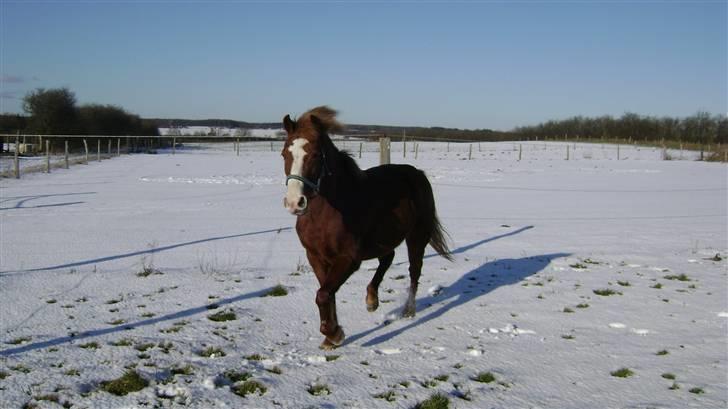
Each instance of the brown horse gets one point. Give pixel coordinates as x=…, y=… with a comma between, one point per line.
x=346, y=215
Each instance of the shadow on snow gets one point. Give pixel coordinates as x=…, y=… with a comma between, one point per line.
x=130, y=326
x=473, y=284
x=140, y=252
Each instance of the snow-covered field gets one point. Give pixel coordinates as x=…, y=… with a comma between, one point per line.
x=119, y=265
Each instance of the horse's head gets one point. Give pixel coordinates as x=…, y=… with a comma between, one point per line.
x=304, y=155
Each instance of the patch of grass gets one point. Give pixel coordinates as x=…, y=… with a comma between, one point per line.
x=20, y=368
x=148, y=315
x=458, y=365
x=51, y=301
x=389, y=396
x=182, y=370
x=19, y=340
x=211, y=352
x=624, y=283
x=90, y=345
x=222, y=316
x=147, y=271
x=117, y=321
x=578, y=266
x=568, y=310
x=435, y=401
x=442, y=378
x=678, y=277
x=622, y=373
x=484, y=377
x=399, y=277
x=72, y=372
x=124, y=342
x=4, y=374
x=276, y=370
x=606, y=292
x=670, y=376
x=318, y=389
x=131, y=381
x=696, y=390
x=277, y=291
x=115, y=300
x=330, y=358
x=590, y=261
x=662, y=352
x=567, y=336
x=582, y=305
x=657, y=286
x=237, y=376
x=404, y=384
x=144, y=347
x=429, y=383
x=255, y=357
x=249, y=388
x=165, y=346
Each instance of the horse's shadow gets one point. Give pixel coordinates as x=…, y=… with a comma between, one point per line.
x=130, y=326
x=473, y=284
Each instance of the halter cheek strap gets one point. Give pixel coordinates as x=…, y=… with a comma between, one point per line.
x=316, y=187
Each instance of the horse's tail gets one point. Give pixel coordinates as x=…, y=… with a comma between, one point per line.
x=438, y=235
x=438, y=241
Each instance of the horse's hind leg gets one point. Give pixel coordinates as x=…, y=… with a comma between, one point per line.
x=373, y=287
x=415, y=252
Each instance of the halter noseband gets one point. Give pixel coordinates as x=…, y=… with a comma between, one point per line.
x=316, y=187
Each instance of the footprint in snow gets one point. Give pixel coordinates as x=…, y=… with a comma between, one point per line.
x=388, y=351
x=640, y=331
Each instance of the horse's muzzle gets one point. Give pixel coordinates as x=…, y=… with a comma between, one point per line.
x=296, y=207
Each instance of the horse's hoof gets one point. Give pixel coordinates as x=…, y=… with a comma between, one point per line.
x=408, y=313
x=335, y=341
x=371, y=307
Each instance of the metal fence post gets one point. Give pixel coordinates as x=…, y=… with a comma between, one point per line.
x=17, y=158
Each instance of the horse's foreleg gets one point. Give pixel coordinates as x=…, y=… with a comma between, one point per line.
x=326, y=301
x=373, y=287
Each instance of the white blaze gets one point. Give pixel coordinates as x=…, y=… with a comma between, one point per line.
x=295, y=187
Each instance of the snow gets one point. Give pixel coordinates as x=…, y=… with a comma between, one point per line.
x=210, y=230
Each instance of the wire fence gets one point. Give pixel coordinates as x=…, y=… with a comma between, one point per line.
x=44, y=153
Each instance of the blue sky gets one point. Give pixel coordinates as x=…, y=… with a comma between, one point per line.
x=464, y=64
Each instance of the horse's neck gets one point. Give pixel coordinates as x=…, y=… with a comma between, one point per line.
x=345, y=177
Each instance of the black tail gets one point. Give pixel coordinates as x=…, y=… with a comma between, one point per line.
x=438, y=235
x=438, y=241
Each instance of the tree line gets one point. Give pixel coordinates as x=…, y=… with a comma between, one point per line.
x=54, y=112
x=699, y=128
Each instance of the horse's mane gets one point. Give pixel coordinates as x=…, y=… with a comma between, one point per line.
x=347, y=163
x=325, y=115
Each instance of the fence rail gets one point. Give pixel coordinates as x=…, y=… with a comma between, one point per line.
x=47, y=152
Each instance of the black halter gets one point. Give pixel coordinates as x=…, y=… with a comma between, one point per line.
x=316, y=187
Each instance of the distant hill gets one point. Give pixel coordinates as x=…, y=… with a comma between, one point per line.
x=354, y=130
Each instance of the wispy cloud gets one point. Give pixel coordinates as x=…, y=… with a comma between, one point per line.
x=12, y=79
x=9, y=95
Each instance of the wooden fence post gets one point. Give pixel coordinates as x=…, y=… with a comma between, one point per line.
x=470, y=152
x=109, y=148
x=271, y=146
x=617, y=151
x=16, y=159
x=174, y=144
x=360, y=145
x=520, y=151
x=65, y=152
x=98, y=150
x=404, y=144
x=384, y=156
x=567, y=152
x=417, y=149
x=118, y=146
x=85, y=148
x=48, y=155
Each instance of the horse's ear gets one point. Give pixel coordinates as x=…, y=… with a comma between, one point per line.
x=288, y=124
